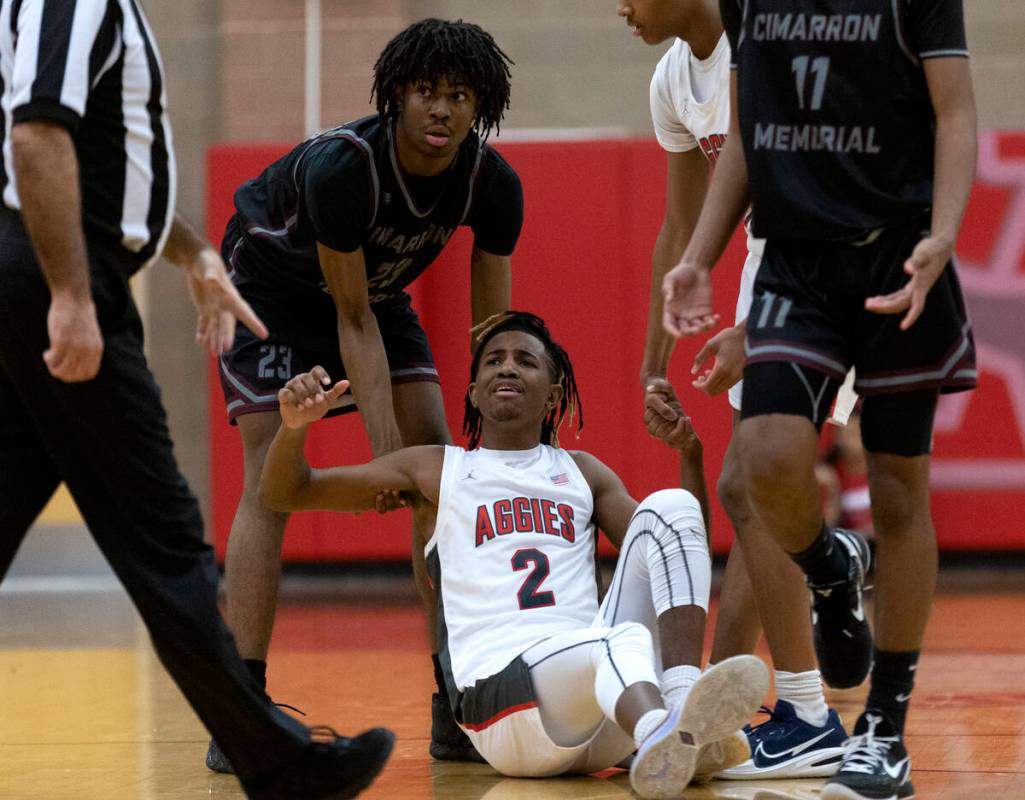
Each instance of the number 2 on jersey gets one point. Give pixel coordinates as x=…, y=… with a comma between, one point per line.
x=528, y=595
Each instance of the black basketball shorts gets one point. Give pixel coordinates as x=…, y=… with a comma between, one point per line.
x=808, y=312
x=255, y=369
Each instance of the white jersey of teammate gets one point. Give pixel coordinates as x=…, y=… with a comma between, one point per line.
x=514, y=547
x=690, y=107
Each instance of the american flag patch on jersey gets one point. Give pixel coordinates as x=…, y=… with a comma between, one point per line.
x=560, y=480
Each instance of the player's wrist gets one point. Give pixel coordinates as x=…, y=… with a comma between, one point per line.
x=651, y=376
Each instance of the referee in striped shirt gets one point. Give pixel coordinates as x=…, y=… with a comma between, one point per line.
x=88, y=181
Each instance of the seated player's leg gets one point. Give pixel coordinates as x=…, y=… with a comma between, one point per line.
x=802, y=738
x=663, y=580
x=583, y=682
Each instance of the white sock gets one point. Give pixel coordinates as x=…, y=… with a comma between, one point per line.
x=647, y=724
x=676, y=683
x=803, y=690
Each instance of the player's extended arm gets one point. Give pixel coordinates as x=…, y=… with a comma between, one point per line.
x=287, y=482
x=46, y=169
x=687, y=287
x=686, y=184
x=680, y=435
x=953, y=102
x=218, y=303
x=613, y=505
x=950, y=89
x=490, y=286
x=359, y=338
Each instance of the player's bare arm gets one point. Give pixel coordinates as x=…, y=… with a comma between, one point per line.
x=46, y=169
x=613, y=505
x=287, y=482
x=680, y=435
x=218, y=303
x=687, y=288
x=950, y=89
x=490, y=286
x=686, y=185
x=362, y=349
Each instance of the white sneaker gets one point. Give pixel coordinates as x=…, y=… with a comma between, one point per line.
x=719, y=703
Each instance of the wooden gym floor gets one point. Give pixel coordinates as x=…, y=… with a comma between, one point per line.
x=89, y=713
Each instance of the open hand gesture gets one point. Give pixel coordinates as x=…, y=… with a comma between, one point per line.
x=687, y=301
x=218, y=304
x=925, y=265
x=727, y=350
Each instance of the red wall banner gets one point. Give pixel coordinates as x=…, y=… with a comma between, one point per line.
x=593, y=209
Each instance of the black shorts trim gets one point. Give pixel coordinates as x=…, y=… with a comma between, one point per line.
x=957, y=368
x=493, y=698
x=791, y=352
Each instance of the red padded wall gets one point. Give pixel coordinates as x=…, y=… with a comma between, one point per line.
x=592, y=212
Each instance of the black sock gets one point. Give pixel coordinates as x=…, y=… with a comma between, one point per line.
x=258, y=669
x=439, y=676
x=893, y=676
x=825, y=561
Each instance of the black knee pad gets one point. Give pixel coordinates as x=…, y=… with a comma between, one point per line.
x=899, y=424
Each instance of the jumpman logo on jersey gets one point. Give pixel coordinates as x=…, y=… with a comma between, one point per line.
x=469, y=476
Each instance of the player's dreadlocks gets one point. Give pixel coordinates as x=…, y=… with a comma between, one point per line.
x=559, y=363
x=432, y=49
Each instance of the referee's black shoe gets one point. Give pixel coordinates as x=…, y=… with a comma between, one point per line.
x=843, y=639
x=875, y=763
x=448, y=741
x=331, y=768
x=218, y=762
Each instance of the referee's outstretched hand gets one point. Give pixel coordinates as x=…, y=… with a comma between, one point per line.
x=687, y=301
x=925, y=265
x=218, y=304
x=76, y=344
x=306, y=398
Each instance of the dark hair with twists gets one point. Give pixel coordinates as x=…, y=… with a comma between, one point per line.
x=558, y=362
x=459, y=51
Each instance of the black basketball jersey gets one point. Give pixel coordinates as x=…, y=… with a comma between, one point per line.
x=346, y=189
x=834, y=110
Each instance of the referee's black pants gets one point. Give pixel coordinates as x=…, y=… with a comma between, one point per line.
x=108, y=440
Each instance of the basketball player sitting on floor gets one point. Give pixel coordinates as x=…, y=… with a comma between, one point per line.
x=544, y=681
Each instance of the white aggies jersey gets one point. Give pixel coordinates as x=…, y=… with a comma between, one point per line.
x=512, y=556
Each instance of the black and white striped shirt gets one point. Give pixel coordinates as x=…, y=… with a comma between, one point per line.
x=92, y=66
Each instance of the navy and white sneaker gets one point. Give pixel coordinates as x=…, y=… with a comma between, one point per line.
x=785, y=746
x=875, y=765
x=843, y=639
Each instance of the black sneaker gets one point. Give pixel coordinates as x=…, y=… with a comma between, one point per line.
x=875, y=764
x=332, y=767
x=218, y=762
x=448, y=741
x=843, y=639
